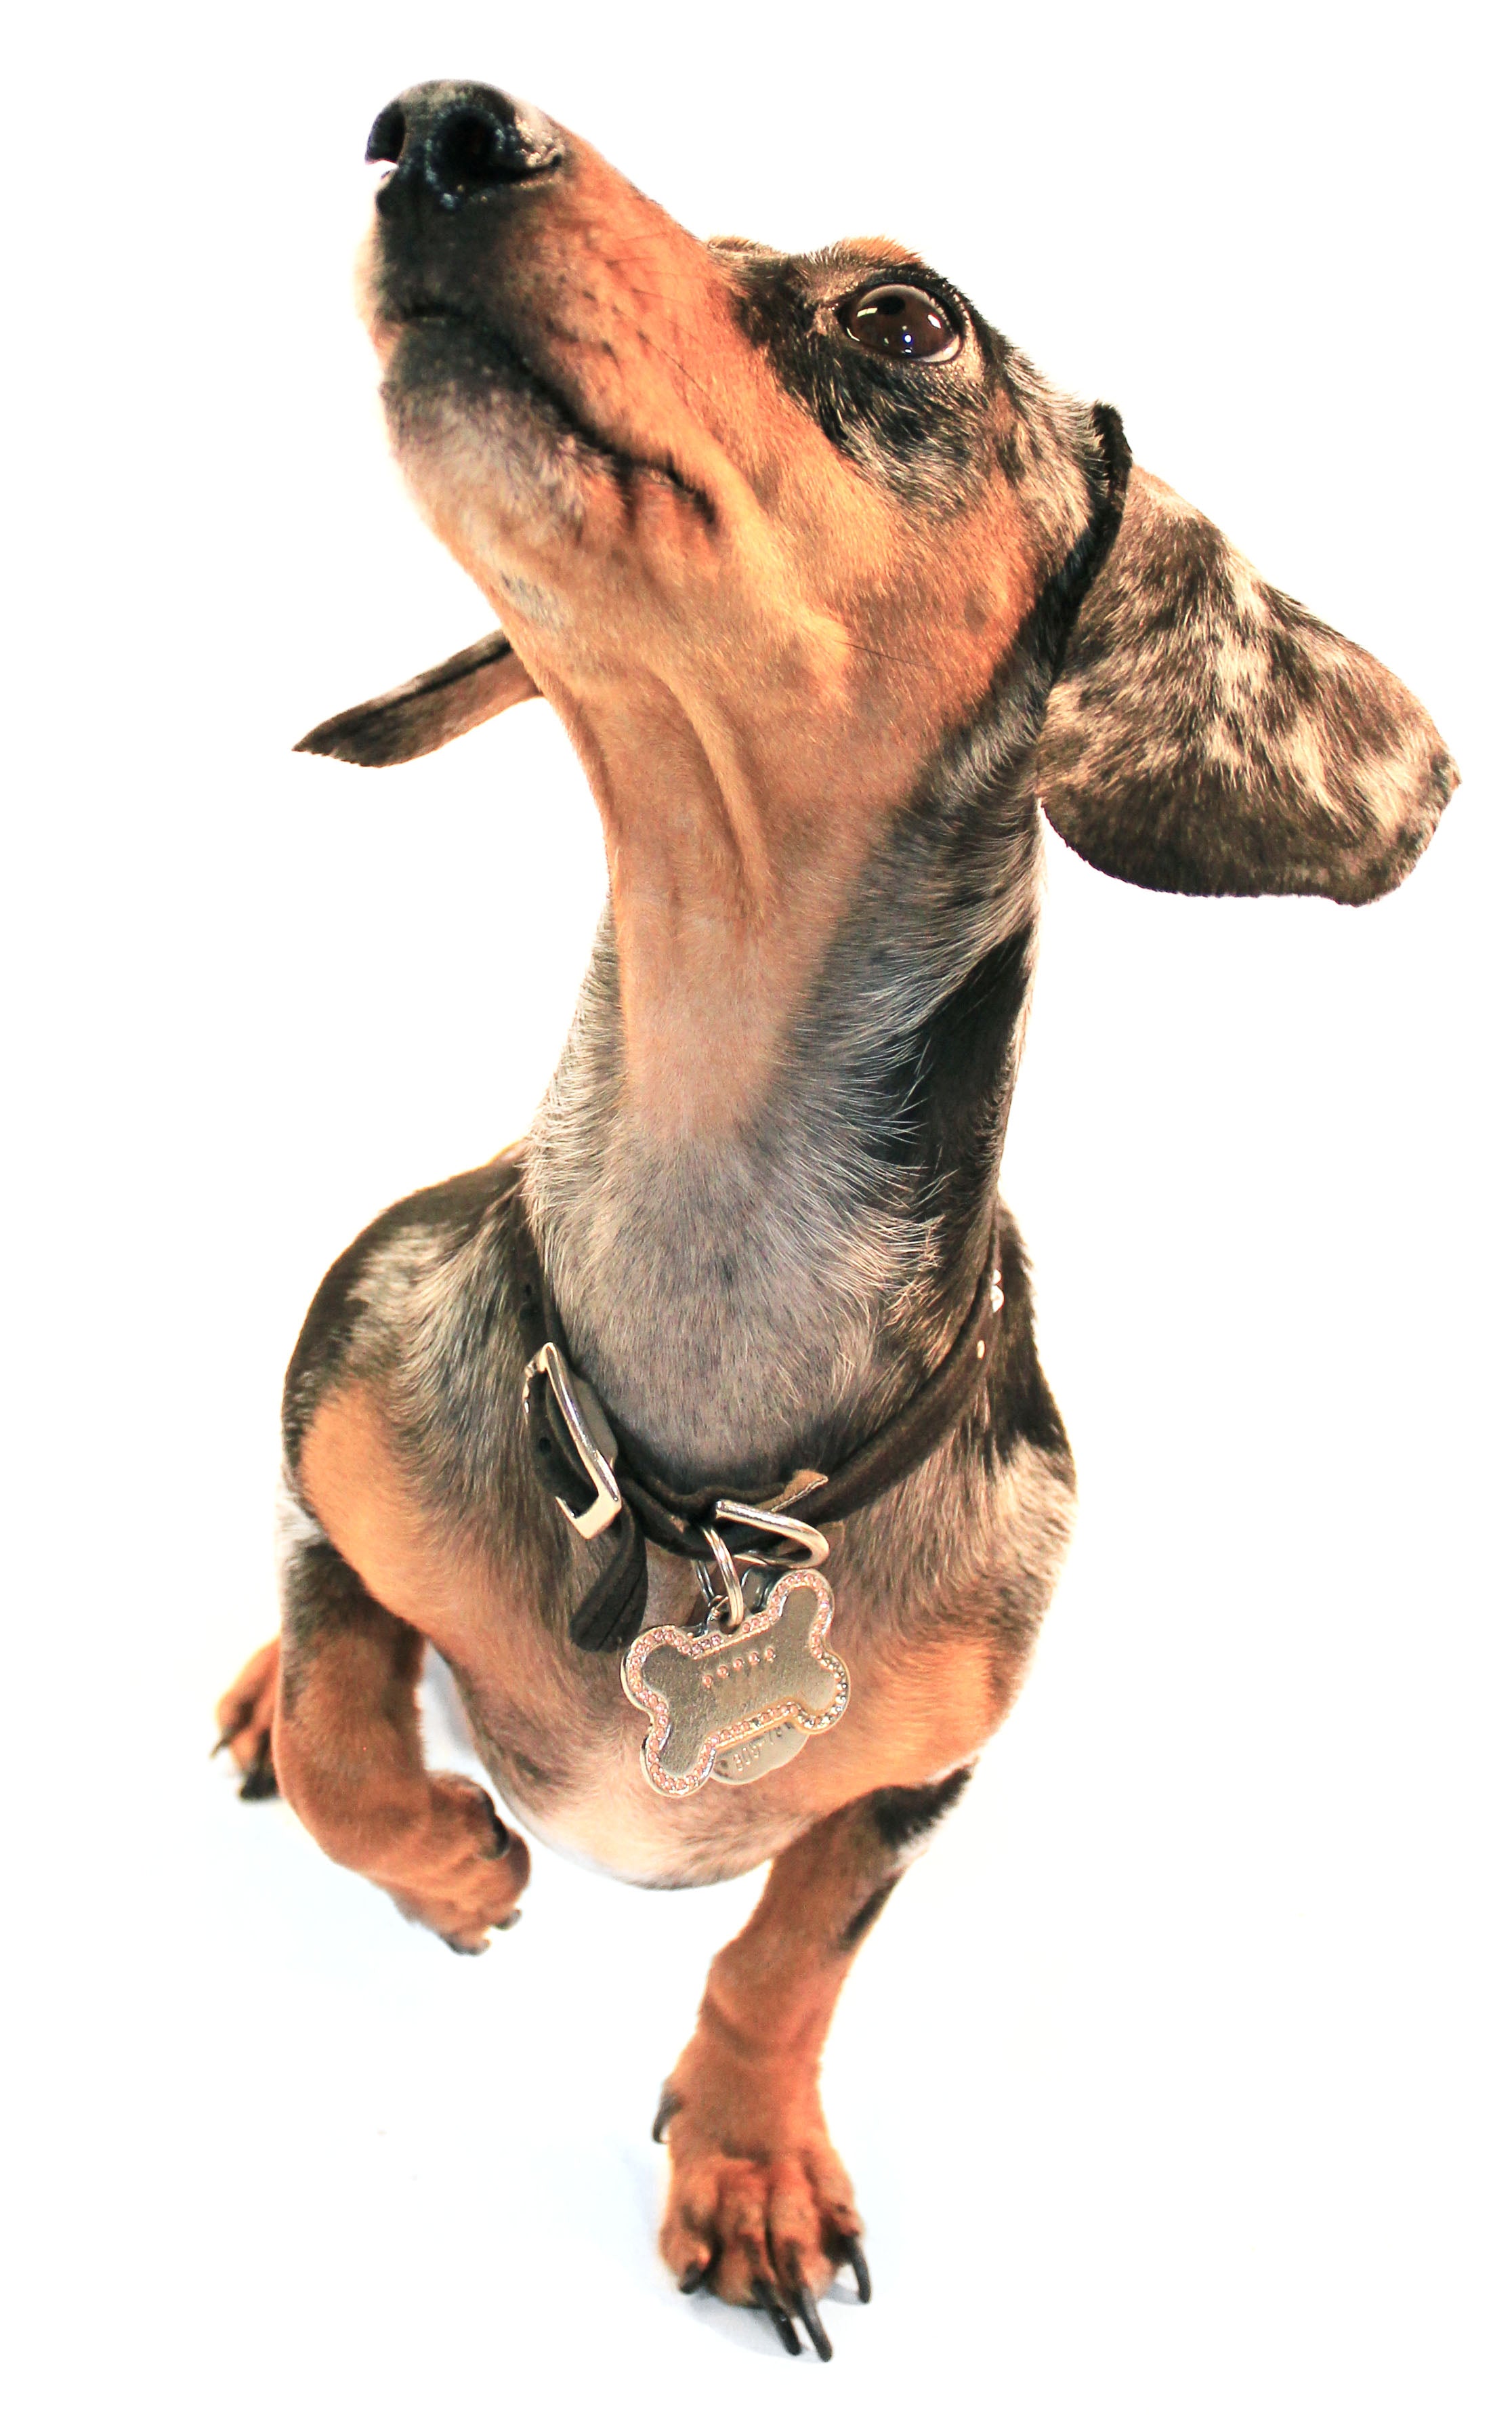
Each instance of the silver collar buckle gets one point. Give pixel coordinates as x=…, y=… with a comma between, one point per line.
x=590, y=1435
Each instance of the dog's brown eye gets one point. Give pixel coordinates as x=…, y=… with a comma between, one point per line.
x=901, y=321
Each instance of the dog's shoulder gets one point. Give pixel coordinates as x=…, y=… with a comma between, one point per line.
x=404, y=1271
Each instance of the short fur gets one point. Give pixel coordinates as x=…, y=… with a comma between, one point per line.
x=828, y=627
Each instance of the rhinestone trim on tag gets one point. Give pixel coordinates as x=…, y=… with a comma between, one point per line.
x=680, y=1694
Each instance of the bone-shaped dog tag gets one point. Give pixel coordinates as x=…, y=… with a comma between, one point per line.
x=712, y=1696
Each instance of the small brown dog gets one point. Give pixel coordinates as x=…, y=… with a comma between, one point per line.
x=703, y=1433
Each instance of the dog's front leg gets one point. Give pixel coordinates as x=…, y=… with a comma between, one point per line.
x=760, y=2204
x=347, y=1750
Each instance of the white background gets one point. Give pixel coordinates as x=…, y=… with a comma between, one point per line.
x=1173, y=2078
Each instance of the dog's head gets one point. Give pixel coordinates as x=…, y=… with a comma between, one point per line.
x=797, y=515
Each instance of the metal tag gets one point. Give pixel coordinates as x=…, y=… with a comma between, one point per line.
x=712, y=1696
x=759, y=1755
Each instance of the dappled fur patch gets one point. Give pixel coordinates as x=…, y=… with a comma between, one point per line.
x=1208, y=735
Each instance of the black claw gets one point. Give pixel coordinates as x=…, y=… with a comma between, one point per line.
x=693, y=2279
x=510, y=1920
x=671, y=2103
x=808, y=2313
x=261, y=1782
x=851, y=2250
x=499, y=1842
x=782, y=2320
x=457, y=1947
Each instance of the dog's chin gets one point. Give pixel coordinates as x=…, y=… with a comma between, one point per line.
x=453, y=373
x=485, y=448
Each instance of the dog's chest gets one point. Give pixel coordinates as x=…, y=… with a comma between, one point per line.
x=930, y=1675
x=566, y=1746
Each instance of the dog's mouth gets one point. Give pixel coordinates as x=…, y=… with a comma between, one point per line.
x=473, y=349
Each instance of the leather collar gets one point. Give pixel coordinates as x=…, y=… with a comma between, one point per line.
x=603, y=1488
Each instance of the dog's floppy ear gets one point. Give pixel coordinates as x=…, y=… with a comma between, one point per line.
x=1208, y=735
x=428, y=712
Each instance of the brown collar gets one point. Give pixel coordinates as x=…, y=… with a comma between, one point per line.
x=603, y=1489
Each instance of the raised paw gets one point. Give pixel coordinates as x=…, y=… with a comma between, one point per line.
x=468, y=1872
x=244, y=1717
x=762, y=2222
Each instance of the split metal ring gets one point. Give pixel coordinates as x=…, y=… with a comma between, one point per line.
x=732, y=1610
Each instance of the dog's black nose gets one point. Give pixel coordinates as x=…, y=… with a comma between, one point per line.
x=453, y=141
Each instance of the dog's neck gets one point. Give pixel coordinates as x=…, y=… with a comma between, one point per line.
x=737, y=832
x=755, y=1288
x=754, y=1272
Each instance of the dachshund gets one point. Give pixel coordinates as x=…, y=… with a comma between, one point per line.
x=702, y=1432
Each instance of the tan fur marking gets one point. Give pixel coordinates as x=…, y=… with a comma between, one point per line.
x=349, y=1475
x=756, y=2188
x=739, y=800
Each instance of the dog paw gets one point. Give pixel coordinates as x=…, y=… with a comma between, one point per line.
x=759, y=2206
x=469, y=1870
x=245, y=1718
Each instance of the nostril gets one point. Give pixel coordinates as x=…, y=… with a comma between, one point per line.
x=386, y=141
x=484, y=140
x=469, y=149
